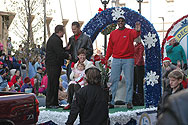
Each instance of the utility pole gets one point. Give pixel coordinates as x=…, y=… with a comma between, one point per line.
x=163, y=25
x=105, y=2
x=139, y=1
x=44, y=4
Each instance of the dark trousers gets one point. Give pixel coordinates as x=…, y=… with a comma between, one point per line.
x=53, y=73
x=72, y=88
x=138, y=95
x=69, y=70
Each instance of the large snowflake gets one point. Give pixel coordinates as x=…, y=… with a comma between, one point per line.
x=152, y=78
x=117, y=12
x=150, y=40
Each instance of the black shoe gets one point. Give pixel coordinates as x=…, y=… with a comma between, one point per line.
x=129, y=106
x=52, y=107
x=110, y=106
x=119, y=102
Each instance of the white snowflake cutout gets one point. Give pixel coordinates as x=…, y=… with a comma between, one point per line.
x=117, y=12
x=152, y=78
x=150, y=40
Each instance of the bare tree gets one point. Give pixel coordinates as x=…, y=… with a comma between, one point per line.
x=29, y=23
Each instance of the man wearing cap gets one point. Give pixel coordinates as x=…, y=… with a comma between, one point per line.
x=121, y=48
x=176, y=52
x=166, y=69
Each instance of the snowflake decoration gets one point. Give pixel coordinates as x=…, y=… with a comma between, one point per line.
x=152, y=78
x=150, y=40
x=117, y=12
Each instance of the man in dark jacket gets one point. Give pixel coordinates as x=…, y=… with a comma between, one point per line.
x=55, y=55
x=175, y=110
x=77, y=41
x=91, y=102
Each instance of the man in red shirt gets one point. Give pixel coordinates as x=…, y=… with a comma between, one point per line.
x=138, y=95
x=121, y=48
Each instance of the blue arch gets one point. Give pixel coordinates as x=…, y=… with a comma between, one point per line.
x=153, y=55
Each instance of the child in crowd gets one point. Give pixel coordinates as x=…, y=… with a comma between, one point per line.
x=17, y=73
x=64, y=79
x=78, y=75
x=1, y=65
x=27, y=87
x=44, y=84
x=11, y=87
x=91, y=102
x=18, y=84
x=62, y=95
x=3, y=80
x=175, y=85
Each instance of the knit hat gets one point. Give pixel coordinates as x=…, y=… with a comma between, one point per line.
x=27, y=79
x=10, y=84
x=166, y=59
x=43, y=69
x=170, y=38
x=1, y=63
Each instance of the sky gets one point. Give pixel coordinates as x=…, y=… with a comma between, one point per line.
x=86, y=9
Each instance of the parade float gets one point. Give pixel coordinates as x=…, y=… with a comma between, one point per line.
x=152, y=87
x=179, y=30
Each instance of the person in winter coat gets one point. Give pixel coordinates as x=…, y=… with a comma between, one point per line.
x=44, y=84
x=3, y=80
x=71, y=87
x=176, y=52
x=17, y=73
x=166, y=69
x=175, y=110
x=55, y=55
x=176, y=78
x=91, y=102
x=138, y=94
x=27, y=87
x=77, y=41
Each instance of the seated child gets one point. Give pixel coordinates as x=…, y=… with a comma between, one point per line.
x=175, y=85
x=44, y=83
x=64, y=79
x=78, y=75
x=27, y=87
x=18, y=83
x=11, y=87
x=62, y=95
x=3, y=80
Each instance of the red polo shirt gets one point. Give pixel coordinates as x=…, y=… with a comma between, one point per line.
x=121, y=43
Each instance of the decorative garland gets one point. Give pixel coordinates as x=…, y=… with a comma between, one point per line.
x=151, y=40
x=119, y=117
x=109, y=29
x=171, y=31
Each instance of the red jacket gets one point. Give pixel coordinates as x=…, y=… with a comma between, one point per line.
x=138, y=54
x=121, y=43
x=13, y=80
